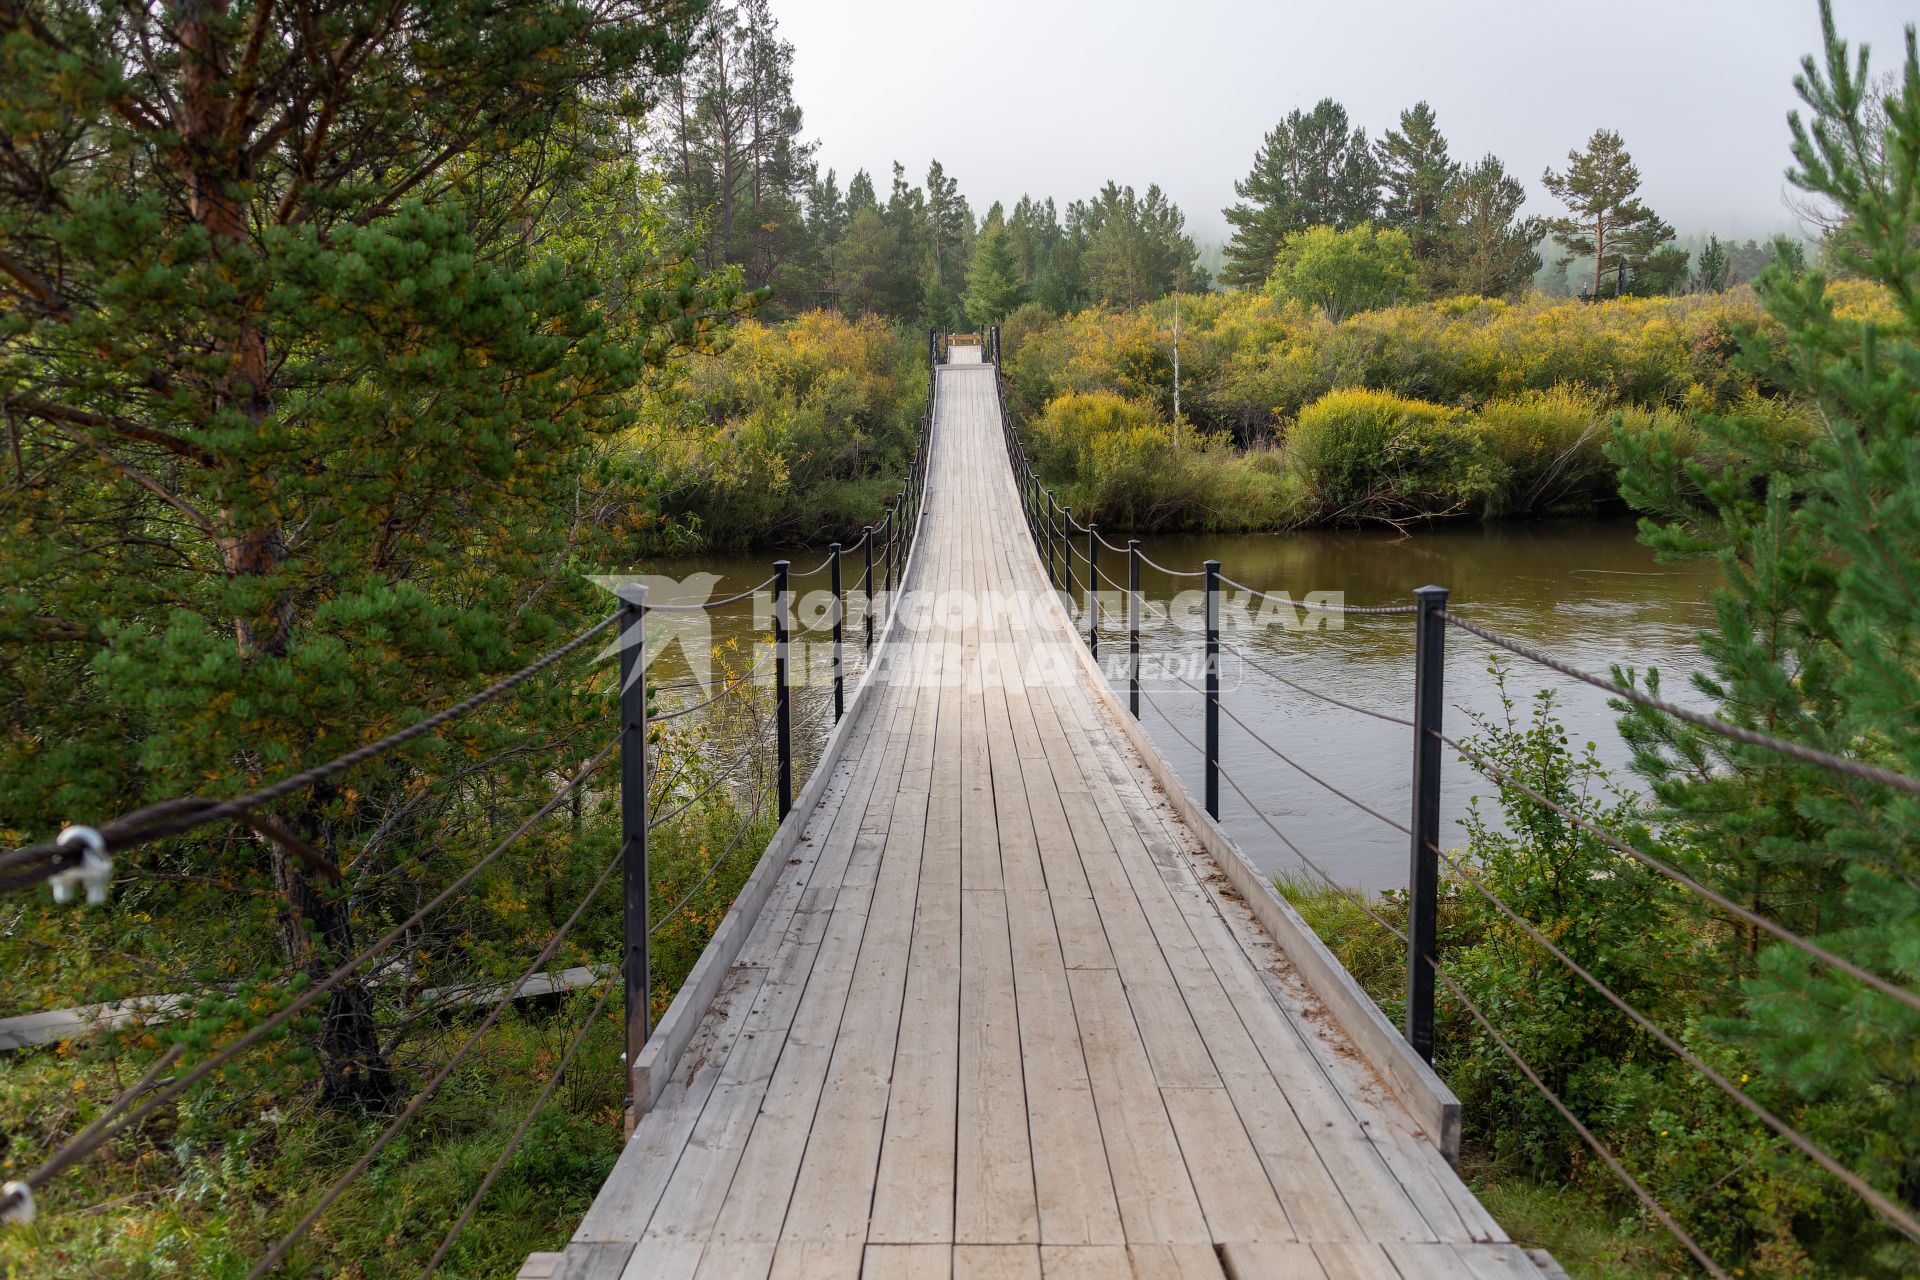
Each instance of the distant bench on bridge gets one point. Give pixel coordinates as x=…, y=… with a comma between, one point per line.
x=1001, y=1000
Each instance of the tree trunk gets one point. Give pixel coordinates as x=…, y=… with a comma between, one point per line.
x=213, y=158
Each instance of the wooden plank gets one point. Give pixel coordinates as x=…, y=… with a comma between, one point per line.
x=1259, y=1260
x=994, y=1197
x=1085, y=1262
x=1175, y=1262
x=996, y=1262
x=1355, y=1261
x=816, y=1260
x=594, y=1261
x=907, y=1262
x=1156, y=1198
x=1235, y=1195
x=914, y=1196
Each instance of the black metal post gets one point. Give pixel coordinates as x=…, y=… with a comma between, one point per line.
x=1133, y=626
x=1066, y=552
x=1423, y=875
x=893, y=539
x=636, y=911
x=1093, y=587
x=866, y=586
x=839, y=613
x=1051, y=554
x=1213, y=689
x=782, y=692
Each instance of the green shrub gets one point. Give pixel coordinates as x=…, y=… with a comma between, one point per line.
x=1551, y=449
x=1373, y=455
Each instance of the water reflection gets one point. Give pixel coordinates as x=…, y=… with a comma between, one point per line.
x=1588, y=592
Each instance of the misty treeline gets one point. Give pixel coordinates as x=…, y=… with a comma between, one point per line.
x=728, y=139
x=1327, y=214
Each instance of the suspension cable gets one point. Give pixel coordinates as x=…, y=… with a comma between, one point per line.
x=1793, y=750
x=81, y=1146
x=746, y=825
x=1754, y=918
x=1885, y=1207
x=177, y=816
x=1319, y=607
x=1566, y=1113
x=278, y=1252
x=1314, y=693
x=1285, y=839
x=526, y=1123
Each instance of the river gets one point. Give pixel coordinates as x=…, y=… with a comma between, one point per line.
x=1585, y=591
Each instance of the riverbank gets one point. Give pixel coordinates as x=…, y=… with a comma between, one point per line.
x=1467, y=408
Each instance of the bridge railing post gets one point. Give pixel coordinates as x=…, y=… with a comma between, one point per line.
x=893, y=543
x=1133, y=626
x=839, y=617
x=782, y=683
x=1066, y=552
x=1423, y=875
x=636, y=910
x=1213, y=689
x=1052, y=554
x=866, y=586
x=1093, y=587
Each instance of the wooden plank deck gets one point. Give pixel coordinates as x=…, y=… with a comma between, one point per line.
x=998, y=1017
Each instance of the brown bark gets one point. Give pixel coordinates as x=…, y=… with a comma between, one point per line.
x=214, y=159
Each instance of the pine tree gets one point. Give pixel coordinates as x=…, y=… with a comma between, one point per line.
x=1710, y=273
x=1817, y=639
x=1416, y=173
x=994, y=282
x=1485, y=248
x=1312, y=170
x=302, y=366
x=1605, y=219
x=729, y=138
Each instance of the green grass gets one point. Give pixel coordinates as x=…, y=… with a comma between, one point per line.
x=1593, y=1237
x=206, y=1187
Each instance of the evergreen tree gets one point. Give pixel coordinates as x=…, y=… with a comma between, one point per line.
x=728, y=137
x=1134, y=249
x=1416, y=173
x=302, y=365
x=1486, y=248
x=994, y=282
x=1816, y=636
x=949, y=233
x=1605, y=219
x=1312, y=170
x=1710, y=274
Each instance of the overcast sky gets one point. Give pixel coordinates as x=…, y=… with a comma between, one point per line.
x=1055, y=97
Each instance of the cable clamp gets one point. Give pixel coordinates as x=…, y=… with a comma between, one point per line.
x=95, y=872
x=19, y=1211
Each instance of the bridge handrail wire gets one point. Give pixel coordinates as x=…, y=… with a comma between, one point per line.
x=1779, y=931
x=1713, y=724
x=184, y=814
x=1315, y=693
x=1859, y=1186
x=1434, y=607
x=607, y=988
x=1599, y=1148
x=278, y=1252
x=745, y=825
x=82, y=1145
x=1253, y=733
x=1317, y=606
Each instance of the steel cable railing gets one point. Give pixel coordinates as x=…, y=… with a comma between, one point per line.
x=1713, y=724
x=1053, y=536
x=884, y=548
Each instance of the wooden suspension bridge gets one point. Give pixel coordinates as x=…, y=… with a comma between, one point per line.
x=1001, y=1001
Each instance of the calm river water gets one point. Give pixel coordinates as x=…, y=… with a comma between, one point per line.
x=1587, y=592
